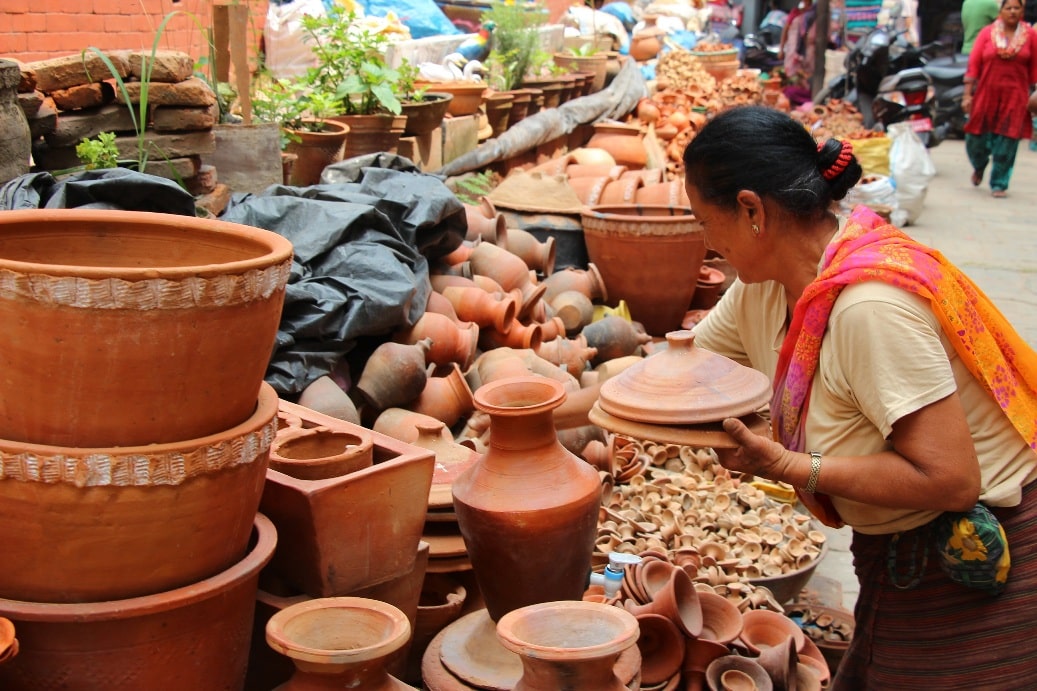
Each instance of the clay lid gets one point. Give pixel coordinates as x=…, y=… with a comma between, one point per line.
x=684, y=385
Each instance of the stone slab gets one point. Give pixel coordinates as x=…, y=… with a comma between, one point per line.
x=167, y=66
x=73, y=127
x=73, y=70
x=247, y=157
x=460, y=135
x=184, y=119
x=190, y=92
x=161, y=146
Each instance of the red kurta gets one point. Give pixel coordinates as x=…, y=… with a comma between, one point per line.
x=1002, y=87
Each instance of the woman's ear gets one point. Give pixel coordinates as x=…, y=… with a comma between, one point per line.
x=750, y=204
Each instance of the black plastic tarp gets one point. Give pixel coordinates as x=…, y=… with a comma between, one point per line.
x=363, y=240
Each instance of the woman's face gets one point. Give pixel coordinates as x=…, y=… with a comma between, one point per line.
x=730, y=234
x=1011, y=12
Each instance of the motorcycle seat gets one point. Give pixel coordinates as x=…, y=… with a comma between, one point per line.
x=946, y=74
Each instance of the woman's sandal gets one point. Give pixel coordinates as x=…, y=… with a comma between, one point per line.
x=999, y=194
x=976, y=179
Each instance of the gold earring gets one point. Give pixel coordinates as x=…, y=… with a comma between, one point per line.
x=756, y=230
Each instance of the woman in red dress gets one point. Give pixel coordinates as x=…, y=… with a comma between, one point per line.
x=1002, y=66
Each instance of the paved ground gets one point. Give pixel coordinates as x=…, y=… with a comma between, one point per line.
x=995, y=242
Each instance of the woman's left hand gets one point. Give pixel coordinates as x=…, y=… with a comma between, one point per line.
x=756, y=455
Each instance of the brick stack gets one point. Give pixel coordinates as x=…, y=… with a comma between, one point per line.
x=75, y=97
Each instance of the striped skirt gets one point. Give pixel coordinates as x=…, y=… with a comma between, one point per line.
x=938, y=634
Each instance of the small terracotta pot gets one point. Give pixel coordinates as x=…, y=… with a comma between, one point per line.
x=568, y=644
x=8, y=643
x=507, y=269
x=451, y=342
x=396, y=373
x=315, y=151
x=574, y=308
x=446, y=396
x=539, y=256
x=780, y=662
x=678, y=600
x=622, y=141
x=721, y=620
x=587, y=281
x=614, y=337
x=319, y=453
x=571, y=353
x=476, y=305
x=440, y=305
x=762, y=628
x=339, y=641
x=662, y=648
x=467, y=96
x=486, y=223
x=698, y=653
x=755, y=677
x=402, y=424
x=518, y=335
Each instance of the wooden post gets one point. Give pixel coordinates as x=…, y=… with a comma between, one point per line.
x=230, y=36
x=821, y=22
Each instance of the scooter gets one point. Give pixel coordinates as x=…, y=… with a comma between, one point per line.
x=908, y=96
x=761, y=48
x=948, y=75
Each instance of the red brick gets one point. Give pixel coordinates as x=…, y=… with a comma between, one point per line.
x=12, y=44
x=57, y=23
x=17, y=6
x=29, y=23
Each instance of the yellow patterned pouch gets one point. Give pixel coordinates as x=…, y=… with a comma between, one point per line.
x=973, y=549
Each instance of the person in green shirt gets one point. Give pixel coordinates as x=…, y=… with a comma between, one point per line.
x=976, y=14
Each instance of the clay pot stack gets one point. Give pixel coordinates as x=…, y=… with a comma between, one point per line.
x=136, y=429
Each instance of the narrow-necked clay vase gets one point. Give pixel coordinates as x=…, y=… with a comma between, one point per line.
x=588, y=281
x=451, y=342
x=538, y=255
x=487, y=310
x=528, y=510
x=339, y=643
x=574, y=308
x=518, y=335
x=568, y=646
x=614, y=337
x=486, y=223
x=509, y=270
x=395, y=373
x=446, y=395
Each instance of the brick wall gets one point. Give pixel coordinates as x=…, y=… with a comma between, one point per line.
x=39, y=29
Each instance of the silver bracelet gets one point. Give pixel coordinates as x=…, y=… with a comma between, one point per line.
x=815, y=470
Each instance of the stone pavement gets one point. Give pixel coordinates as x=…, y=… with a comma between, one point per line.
x=994, y=241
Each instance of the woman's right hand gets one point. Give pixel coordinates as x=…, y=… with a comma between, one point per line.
x=756, y=454
x=966, y=104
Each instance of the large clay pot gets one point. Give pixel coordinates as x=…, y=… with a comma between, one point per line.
x=124, y=328
x=15, y=139
x=649, y=257
x=467, y=96
x=370, y=134
x=194, y=637
x=339, y=642
x=315, y=151
x=622, y=141
x=91, y=524
x=568, y=646
x=426, y=115
x=647, y=41
x=528, y=509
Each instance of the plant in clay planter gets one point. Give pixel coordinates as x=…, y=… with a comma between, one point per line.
x=516, y=38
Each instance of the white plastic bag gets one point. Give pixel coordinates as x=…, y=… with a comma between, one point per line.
x=872, y=190
x=911, y=169
x=288, y=54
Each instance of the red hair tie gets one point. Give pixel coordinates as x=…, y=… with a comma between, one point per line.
x=840, y=162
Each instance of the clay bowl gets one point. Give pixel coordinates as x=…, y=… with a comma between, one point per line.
x=140, y=328
x=320, y=453
x=662, y=649
x=721, y=620
x=745, y=665
x=195, y=637
x=467, y=96
x=92, y=524
x=763, y=629
x=425, y=116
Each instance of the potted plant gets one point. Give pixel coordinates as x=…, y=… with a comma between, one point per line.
x=424, y=108
x=351, y=66
x=584, y=58
x=308, y=131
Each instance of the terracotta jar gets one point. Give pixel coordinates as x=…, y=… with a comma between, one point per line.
x=130, y=324
x=622, y=141
x=325, y=395
x=550, y=329
x=568, y=645
x=519, y=105
x=647, y=41
x=613, y=337
x=587, y=281
x=424, y=116
x=507, y=269
x=452, y=459
x=486, y=223
x=339, y=642
x=518, y=335
x=15, y=140
x=194, y=637
x=538, y=255
x=395, y=373
x=446, y=395
x=677, y=600
x=528, y=509
x=649, y=256
x=440, y=305
x=318, y=453
x=131, y=521
x=474, y=304
x=572, y=354
x=451, y=342
x=574, y=309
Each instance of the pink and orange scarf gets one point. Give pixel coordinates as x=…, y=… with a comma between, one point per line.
x=872, y=250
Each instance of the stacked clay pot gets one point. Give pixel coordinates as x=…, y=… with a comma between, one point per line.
x=135, y=431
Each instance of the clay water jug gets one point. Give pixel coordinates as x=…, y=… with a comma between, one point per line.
x=395, y=373
x=528, y=509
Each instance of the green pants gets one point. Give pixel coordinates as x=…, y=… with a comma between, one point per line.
x=997, y=149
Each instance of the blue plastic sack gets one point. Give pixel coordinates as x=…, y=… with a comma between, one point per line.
x=422, y=17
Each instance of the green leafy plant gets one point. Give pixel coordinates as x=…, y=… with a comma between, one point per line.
x=351, y=63
x=470, y=188
x=99, y=152
x=294, y=105
x=516, y=38
x=585, y=50
x=407, y=84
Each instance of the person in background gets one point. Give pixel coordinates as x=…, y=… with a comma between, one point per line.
x=900, y=393
x=1002, y=68
x=976, y=14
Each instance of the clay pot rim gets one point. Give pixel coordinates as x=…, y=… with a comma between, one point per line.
x=551, y=395
x=397, y=624
x=271, y=248
x=265, y=412
x=625, y=621
x=749, y=617
x=116, y=610
x=663, y=213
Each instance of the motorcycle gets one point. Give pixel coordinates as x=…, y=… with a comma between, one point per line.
x=761, y=48
x=948, y=75
x=887, y=81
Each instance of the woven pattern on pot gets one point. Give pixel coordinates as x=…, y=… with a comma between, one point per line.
x=149, y=294
x=99, y=469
